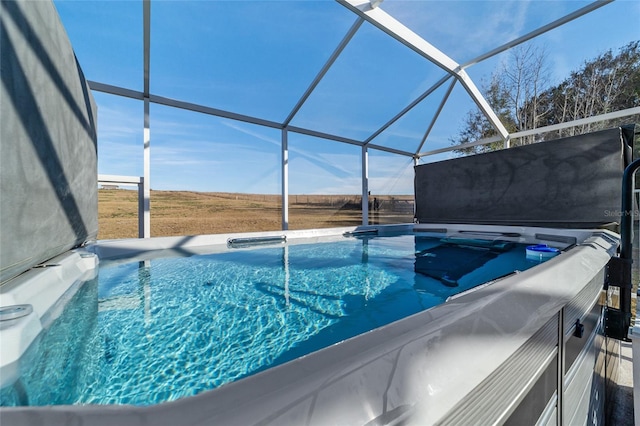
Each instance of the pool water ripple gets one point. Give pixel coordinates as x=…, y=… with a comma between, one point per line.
x=154, y=331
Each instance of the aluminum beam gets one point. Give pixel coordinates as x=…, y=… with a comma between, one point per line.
x=323, y=135
x=334, y=56
x=120, y=91
x=485, y=141
x=445, y=98
x=398, y=31
x=602, y=117
x=409, y=107
x=404, y=35
x=131, y=180
x=146, y=155
x=145, y=206
x=285, y=180
x=119, y=179
x=213, y=111
x=482, y=103
x=115, y=90
x=146, y=25
x=365, y=185
x=390, y=150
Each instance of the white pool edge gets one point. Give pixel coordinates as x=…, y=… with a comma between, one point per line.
x=40, y=287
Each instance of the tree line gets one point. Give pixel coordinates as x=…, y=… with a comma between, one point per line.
x=520, y=93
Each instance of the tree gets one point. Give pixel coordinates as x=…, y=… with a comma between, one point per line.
x=477, y=126
x=522, y=78
x=520, y=95
x=605, y=84
x=525, y=77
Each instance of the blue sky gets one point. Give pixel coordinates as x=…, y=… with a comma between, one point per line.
x=258, y=57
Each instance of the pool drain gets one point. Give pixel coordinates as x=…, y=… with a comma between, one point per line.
x=14, y=311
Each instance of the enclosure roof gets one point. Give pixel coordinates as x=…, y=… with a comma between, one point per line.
x=397, y=76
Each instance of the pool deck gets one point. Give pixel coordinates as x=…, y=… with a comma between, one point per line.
x=623, y=413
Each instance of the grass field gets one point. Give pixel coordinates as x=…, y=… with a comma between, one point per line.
x=195, y=213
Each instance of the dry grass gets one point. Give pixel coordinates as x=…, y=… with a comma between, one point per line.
x=193, y=213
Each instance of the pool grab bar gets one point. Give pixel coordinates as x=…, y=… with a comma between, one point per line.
x=361, y=232
x=252, y=241
x=492, y=233
x=430, y=230
x=12, y=312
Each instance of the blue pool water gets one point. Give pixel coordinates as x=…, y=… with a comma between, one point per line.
x=147, y=332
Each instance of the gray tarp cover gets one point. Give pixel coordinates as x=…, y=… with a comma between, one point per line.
x=569, y=182
x=48, y=168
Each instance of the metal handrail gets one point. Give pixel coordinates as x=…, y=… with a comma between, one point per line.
x=618, y=321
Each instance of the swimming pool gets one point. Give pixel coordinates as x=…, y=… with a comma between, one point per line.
x=173, y=327
x=425, y=323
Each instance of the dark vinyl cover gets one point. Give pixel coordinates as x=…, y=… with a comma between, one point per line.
x=571, y=182
x=48, y=148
